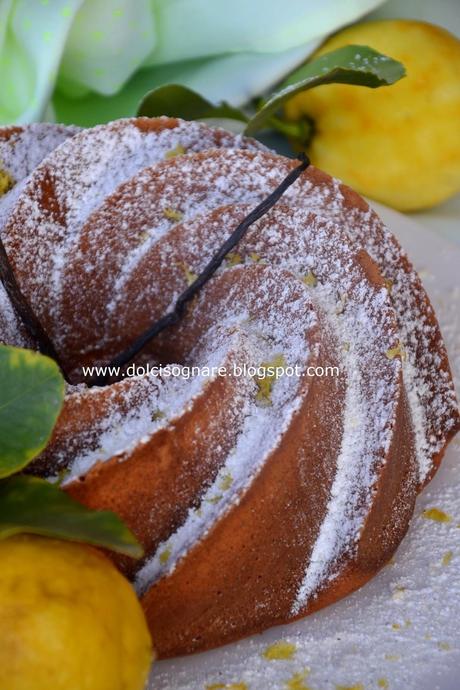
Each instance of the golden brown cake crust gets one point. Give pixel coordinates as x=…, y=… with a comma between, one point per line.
x=255, y=505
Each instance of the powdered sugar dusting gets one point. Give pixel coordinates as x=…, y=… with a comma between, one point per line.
x=120, y=211
x=428, y=383
x=203, y=182
x=262, y=430
x=75, y=179
x=404, y=623
x=23, y=148
x=299, y=242
x=11, y=331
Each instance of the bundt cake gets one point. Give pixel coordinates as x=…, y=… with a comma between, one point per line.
x=21, y=150
x=270, y=446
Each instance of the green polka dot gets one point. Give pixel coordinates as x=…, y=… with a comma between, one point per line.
x=66, y=11
x=47, y=36
x=97, y=35
x=118, y=12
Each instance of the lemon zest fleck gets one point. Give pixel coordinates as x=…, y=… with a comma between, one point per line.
x=6, y=182
x=214, y=499
x=178, y=150
x=397, y=351
x=157, y=415
x=226, y=482
x=280, y=650
x=310, y=279
x=172, y=213
x=233, y=259
x=189, y=275
x=388, y=284
x=297, y=682
x=143, y=237
x=165, y=556
x=266, y=381
x=446, y=559
x=436, y=515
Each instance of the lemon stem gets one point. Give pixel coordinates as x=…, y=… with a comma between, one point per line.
x=301, y=132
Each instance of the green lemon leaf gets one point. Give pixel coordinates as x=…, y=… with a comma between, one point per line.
x=31, y=396
x=358, y=65
x=34, y=506
x=179, y=101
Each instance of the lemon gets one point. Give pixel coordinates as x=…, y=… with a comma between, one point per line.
x=399, y=144
x=68, y=620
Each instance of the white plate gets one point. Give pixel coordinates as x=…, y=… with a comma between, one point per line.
x=357, y=640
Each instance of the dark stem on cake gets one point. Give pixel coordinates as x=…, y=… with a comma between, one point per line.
x=174, y=316
x=24, y=310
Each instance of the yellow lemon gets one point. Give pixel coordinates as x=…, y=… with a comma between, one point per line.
x=68, y=620
x=399, y=144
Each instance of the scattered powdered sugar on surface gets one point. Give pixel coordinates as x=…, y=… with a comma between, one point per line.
x=402, y=627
